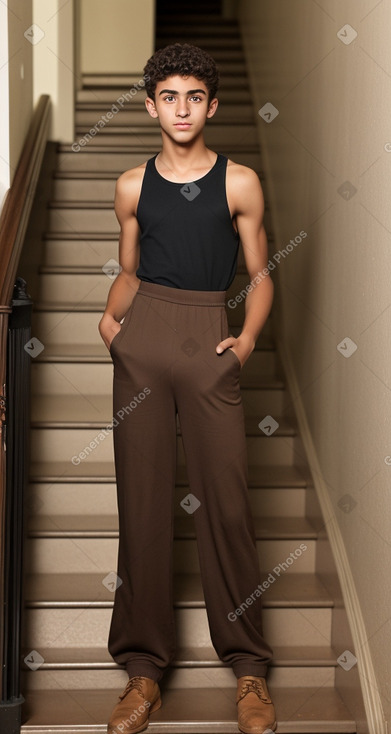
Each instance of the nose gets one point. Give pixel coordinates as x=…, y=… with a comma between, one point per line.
x=182, y=108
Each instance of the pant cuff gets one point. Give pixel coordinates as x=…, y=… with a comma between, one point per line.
x=133, y=669
x=259, y=671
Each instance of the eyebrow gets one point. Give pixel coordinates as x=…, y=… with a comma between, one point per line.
x=174, y=91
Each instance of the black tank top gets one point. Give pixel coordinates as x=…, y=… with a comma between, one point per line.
x=187, y=236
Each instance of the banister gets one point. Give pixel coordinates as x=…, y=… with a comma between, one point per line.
x=19, y=198
x=14, y=220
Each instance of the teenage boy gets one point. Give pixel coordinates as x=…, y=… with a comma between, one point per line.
x=173, y=356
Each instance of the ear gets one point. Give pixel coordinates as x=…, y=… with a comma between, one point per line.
x=150, y=105
x=212, y=107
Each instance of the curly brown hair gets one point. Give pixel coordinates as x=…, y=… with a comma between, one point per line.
x=181, y=59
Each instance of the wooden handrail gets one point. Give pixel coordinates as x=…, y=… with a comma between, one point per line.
x=14, y=219
x=17, y=206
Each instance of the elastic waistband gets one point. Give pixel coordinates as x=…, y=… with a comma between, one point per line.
x=181, y=295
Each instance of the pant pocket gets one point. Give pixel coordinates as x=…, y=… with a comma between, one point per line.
x=124, y=325
x=224, y=334
x=235, y=356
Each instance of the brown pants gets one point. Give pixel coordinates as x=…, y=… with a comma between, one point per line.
x=165, y=363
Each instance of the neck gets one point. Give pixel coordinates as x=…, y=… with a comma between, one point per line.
x=182, y=157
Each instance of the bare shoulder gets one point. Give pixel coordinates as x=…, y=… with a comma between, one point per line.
x=241, y=175
x=244, y=186
x=128, y=185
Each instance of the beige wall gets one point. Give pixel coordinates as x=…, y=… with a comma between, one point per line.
x=70, y=38
x=116, y=36
x=4, y=111
x=40, y=62
x=54, y=63
x=333, y=126
x=20, y=69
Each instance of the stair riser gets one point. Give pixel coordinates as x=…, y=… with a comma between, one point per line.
x=83, y=190
x=93, y=221
x=120, y=93
x=228, y=63
x=74, y=289
x=81, y=327
x=211, y=36
x=73, y=250
x=179, y=678
x=79, y=189
x=80, y=220
x=68, y=444
x=89, y=114
x=82, y=252
x=89, y=555
x=222, y=55
x=235, y=137
x=255, y=402
x=203, y=14
x=97, y=379
x=92, y=160
x=87, y=628
x=232, y=72
x=210, y=10
x=55, y=500
x=210, y=30
x=226, y=67
x=209, y=44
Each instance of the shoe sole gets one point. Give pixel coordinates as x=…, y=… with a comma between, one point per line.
x=144, y=725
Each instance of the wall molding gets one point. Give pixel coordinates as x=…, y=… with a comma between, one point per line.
x=370, y=691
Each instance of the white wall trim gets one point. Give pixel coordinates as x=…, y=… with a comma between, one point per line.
x=369, y=687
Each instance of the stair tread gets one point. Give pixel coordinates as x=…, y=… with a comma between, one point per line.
x=302, y=590
x=134, y=114
x=100, y=656
x=100, y=91
x=88, y=269
x=99, y=175
x=201, y=18
x=99, y=353
x=95, y=411
x=126, y=137
x=209, y=44
x=300, y=710
x=184, y=528
x=222, y=29
x=148, y=149
x=94, y=270
x=232, y=69
x=80, y=204
x=82, y=306
x=258, y=476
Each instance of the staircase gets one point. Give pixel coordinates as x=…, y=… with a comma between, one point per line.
x=70, y=681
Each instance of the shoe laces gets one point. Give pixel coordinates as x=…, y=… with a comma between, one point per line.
x=134, y=682
x=253, y=685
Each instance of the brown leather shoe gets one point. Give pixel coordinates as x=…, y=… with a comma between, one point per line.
x=256, y=714
x=139, y=699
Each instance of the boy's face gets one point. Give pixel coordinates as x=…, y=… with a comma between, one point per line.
x=181, y=104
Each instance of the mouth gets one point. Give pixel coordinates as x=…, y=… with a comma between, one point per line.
x=182, y=125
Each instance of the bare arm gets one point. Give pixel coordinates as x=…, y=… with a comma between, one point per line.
x=126, y=284
x=250, y=206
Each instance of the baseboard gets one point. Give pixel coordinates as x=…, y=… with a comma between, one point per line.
x=369, y=688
